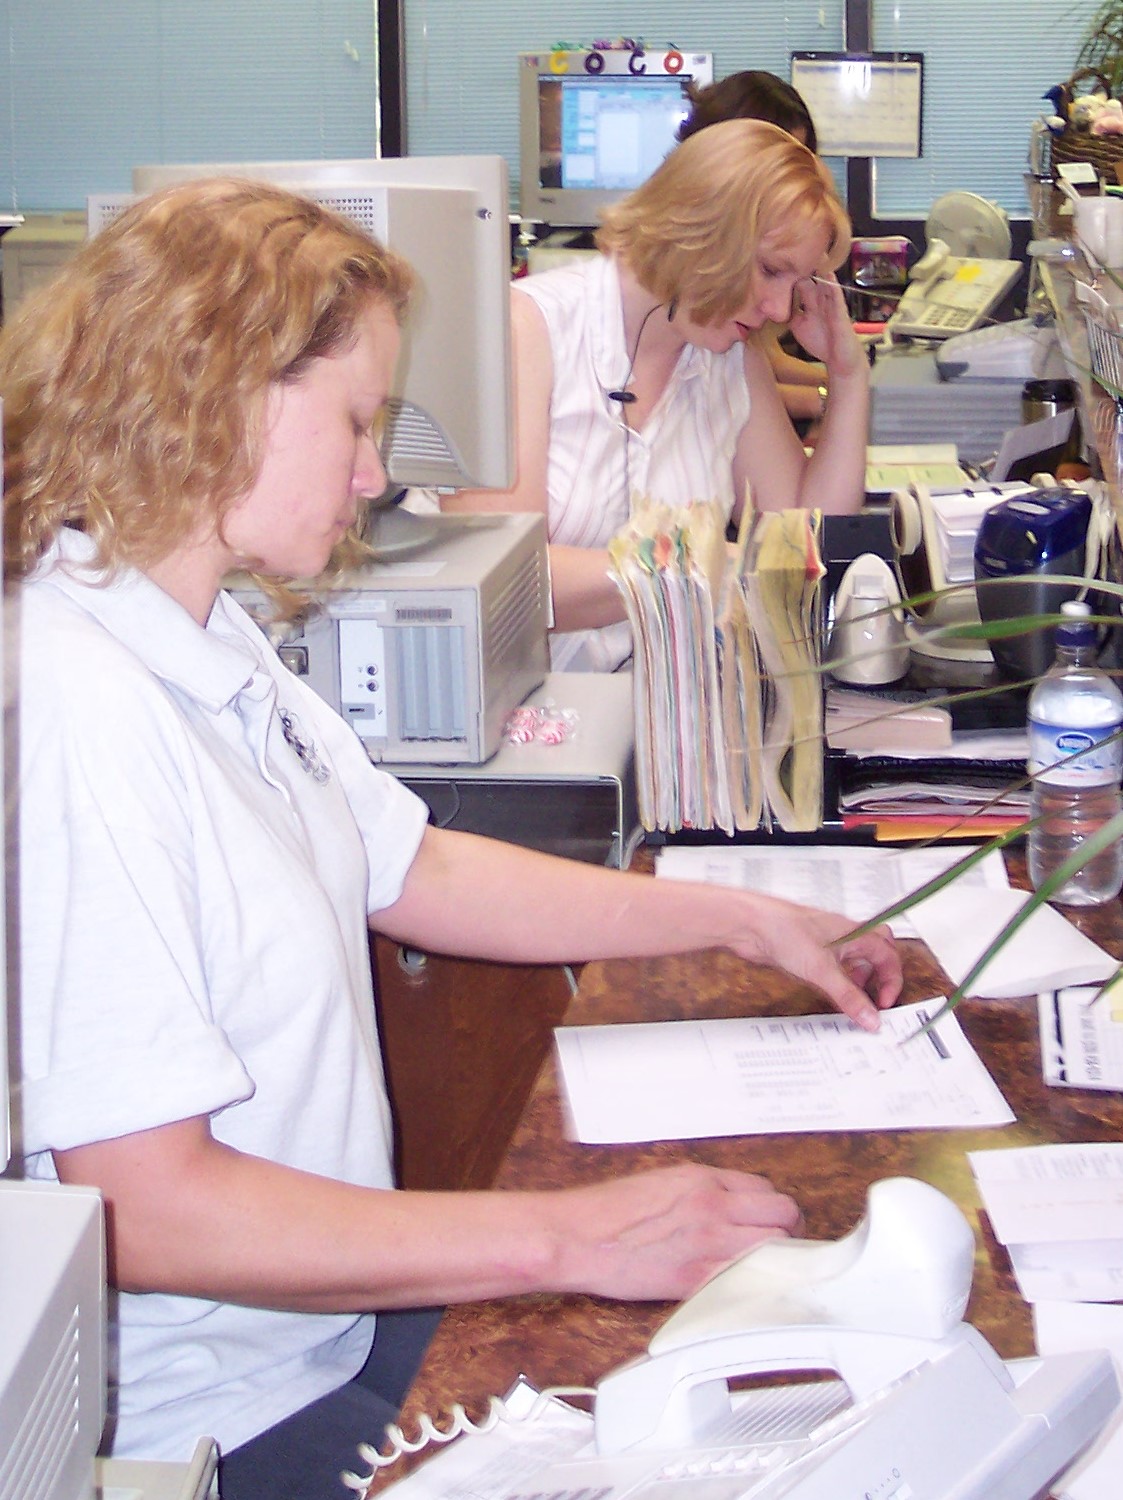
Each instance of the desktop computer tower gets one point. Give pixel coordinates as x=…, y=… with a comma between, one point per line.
x=427, y=649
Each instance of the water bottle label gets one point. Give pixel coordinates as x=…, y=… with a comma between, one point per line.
x=1062, y=756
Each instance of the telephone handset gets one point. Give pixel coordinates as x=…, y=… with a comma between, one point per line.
x=950, y=294
x=870, y=1306
x=923, y=1406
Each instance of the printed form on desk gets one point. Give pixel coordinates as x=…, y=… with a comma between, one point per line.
x=1059, y=1211
x=958, y=922
x=856, y=881
x=687, y=1080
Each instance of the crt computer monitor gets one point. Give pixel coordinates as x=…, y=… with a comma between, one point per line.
x=593, y=125
x=450, y=419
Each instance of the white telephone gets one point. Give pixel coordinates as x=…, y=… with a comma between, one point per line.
x=950, y=294
x=923, y=1408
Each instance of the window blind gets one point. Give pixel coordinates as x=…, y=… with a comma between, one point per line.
x=88, y=90
x=986, y=68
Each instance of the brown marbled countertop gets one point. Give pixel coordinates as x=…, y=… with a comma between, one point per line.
x=480, y=1348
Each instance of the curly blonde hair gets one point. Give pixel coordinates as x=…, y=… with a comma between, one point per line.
x=691, y=233
x=135, y=384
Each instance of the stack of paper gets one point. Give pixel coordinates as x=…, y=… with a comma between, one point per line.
x=860, y=722
x=777, y=574
x=1059, y=1212
x=956, y=521
x=1069, y=1328
x=669, y=566
x=728, y=695
x=913, y=796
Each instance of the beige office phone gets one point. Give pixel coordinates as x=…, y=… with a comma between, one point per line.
x=949, y=294
x=923, y=1408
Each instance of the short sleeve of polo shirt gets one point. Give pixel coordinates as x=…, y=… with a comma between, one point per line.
x=115, y=1032
x=118, y=1034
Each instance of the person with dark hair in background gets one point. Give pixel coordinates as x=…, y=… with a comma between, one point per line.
x=751, y=95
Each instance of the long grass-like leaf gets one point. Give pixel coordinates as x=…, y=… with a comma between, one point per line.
x=1094, y=844
x=939, y=882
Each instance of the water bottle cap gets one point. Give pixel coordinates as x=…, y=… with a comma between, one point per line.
x=1075, y=629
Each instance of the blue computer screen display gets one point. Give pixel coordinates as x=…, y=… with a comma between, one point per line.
x=595, y=124
x=613, y=132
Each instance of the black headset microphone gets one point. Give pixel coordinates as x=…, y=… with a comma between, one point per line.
x=626, y=397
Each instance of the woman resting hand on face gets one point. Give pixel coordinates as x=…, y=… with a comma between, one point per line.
x=645, y=370
x=755, y=94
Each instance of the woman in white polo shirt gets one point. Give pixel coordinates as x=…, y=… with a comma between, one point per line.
x=202, y=844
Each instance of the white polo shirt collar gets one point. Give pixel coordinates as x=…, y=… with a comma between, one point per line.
x=211, y=666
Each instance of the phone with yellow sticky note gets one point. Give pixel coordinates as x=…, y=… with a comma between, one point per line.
x=949, y=294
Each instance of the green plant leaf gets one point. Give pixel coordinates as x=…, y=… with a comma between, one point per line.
x=941, y=881
x=1096, y=843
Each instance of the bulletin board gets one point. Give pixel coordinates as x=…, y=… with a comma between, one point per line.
x=863, y=103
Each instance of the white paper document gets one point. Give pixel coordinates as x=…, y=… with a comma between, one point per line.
x=685, y=1080
x=1040, y=1194
x=1059, y=1212
x=1046, y=952
x=1082, y=1037
x=1064, y=1328
x=858, y=882
x=1029, y=439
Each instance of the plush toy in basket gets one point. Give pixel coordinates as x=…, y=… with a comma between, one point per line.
x=1087, y=124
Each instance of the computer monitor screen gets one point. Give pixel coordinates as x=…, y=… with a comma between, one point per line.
x=594, y=125
x=450, y=417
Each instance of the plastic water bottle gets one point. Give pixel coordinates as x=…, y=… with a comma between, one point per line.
x=1073, y=710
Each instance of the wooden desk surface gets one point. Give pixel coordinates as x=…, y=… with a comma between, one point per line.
x=480, y=1348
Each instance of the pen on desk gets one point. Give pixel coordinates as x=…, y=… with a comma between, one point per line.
x=941, y=1051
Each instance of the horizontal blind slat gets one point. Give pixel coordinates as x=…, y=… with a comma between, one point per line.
x=91, y=90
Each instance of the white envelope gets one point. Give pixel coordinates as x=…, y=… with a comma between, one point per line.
x=1046, y=953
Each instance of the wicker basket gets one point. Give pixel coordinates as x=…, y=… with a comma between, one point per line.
x=1105, y=152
